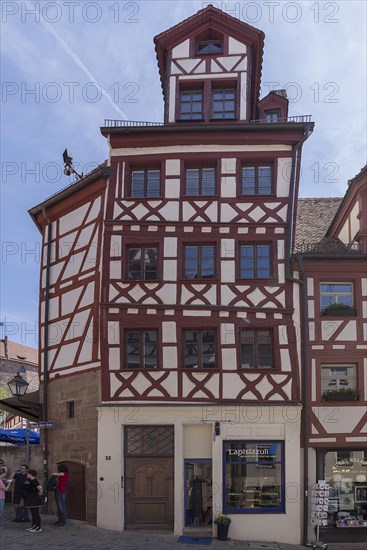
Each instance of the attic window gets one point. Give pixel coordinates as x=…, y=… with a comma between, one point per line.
x=209, y=44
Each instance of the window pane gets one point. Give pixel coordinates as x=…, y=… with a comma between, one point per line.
x=133, y=350
x=208, y=349
x=192, y=181
x=207, y=261
x=150, y=349
x=191, y=262
x=208, y=181
x=191, y=350
x=150, y=263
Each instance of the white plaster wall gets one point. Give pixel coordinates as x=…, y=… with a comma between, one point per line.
x=194, y=439
x=181, y=50
x=343, y=234
x=172, y=100
x=234, y=46
x=283, y=176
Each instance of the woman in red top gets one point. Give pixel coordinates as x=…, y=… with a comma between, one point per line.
x=60, y=493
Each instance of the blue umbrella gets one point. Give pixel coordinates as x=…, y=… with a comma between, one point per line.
x=19, y=437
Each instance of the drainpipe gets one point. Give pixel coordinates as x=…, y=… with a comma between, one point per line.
x=45, y=347
x=302, y=281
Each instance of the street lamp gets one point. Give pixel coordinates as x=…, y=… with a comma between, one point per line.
x=18, y=387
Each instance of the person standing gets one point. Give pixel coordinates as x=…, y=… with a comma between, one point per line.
x=3, y=468
x=3, y=488
x=60, y=493
x=34, y=492
x=20, y=478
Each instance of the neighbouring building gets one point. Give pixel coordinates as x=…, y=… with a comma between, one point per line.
x=332, y=252
x=175, y=357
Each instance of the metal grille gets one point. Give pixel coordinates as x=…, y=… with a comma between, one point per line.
x=149, y=440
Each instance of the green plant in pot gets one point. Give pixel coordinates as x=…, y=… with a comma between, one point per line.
x=338, y=308
x=342, y=394
x=222, y=522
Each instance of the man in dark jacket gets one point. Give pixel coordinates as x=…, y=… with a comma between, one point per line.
x=20, y=477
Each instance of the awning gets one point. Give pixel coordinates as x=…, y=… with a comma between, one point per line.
x=29, y=407
x=19, y=437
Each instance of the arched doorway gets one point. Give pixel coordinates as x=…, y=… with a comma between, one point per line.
x=76, y=497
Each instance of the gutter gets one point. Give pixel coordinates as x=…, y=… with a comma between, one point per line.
x=302, y=281
x=45, y=346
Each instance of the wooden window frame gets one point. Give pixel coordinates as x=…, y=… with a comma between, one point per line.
x=215, y=87
x=256, y=167
x=141, y=332
x=145, y=170
x=255, y=269
x=256, y=353
x=142, y=247
x=201, y=167
x=200, y=351
x=199, y=245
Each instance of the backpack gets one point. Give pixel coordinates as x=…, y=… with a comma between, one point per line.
x=52, y=483
x=22, y=514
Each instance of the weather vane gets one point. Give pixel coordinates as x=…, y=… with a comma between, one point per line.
x=68, y=162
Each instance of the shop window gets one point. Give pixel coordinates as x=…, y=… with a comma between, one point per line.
x=248, y=487
x=256, y=349
x=142, y=263
x=145, y=183
x=199, y=349
x=141, y=349
x=255, y=261
x=200, y=181
x=336, y=299
x=199, y=261
x=256, y=180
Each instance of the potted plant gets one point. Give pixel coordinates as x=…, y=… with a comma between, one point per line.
x=338, y=309
x=223, y=522
x=342, y=394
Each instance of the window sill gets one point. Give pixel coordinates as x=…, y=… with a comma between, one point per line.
x=157, y=198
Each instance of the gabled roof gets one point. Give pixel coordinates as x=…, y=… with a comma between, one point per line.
x=102, y=171
x=314, y=217
x=215, y=19
x=354, y=184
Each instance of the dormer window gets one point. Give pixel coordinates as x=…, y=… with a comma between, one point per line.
x=191, y=104
x=272, y=116
x=209, y=44
x=224, y=103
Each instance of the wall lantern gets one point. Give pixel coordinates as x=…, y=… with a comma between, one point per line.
x=217, y=428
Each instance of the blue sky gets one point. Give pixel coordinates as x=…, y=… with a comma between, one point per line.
x=68, y=65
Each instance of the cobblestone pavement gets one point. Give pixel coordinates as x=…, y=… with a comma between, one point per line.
x=79, y=535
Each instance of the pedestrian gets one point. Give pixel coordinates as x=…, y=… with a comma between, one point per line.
x=20, y=478
x=60, y=493
x=3, y=487
x=34, y=500
x=3, y=468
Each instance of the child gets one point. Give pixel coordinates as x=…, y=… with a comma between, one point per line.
x=32, y=500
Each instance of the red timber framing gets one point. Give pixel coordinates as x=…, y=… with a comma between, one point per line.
x=171, y=304
x=339, y=338
x=76, y=214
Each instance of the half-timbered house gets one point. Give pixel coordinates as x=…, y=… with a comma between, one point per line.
x=332, y=252
x=69, y=360
x=200, y=407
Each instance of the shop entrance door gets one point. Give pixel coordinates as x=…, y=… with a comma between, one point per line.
x=198, y=492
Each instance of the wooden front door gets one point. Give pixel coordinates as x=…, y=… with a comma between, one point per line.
x=149, y=493
x=76, y=497
x=149, y=463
